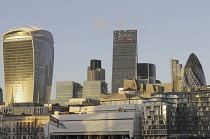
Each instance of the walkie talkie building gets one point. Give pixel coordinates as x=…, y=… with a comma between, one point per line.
x=193, y=75
x=28, y=56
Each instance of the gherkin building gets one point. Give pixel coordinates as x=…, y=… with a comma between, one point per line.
x=193, y=75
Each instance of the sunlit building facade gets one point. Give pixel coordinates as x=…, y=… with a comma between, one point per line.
x=176, y=75
x=28, y=56
x=193, y=75
x=124, y=64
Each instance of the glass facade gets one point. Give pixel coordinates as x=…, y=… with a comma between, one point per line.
x=177, y=115
x=124, y=64
x=189, y=114
x=94, y=89
x=1, y=95
x=193, y=75
x=146, y=71
x=28, y=55
x=66, y=90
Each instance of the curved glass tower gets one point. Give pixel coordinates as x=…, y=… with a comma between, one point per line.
x=193, y=75
x=28, y=56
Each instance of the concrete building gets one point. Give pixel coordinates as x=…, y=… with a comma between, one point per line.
x=28, y=57
x=124, y=64
x=95, y=71
x=66, y=90
x=176, y=75
x=93, y=89
x=146, y=73
x=119, y=125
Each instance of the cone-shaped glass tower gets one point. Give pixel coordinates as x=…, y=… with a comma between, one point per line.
x=193, y=75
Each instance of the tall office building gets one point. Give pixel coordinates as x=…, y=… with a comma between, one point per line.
x=95, y=71
x=146, y=73
x=66, y=90
x=1, y=96
x=95, y=84
x=176, y=75
x=28, y=56
x=193, y=75
x=124, y=64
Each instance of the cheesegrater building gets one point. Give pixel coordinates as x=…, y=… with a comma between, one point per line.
x=28, y=57
x=124, y=64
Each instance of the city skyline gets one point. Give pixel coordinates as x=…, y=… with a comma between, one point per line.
x=166, y=29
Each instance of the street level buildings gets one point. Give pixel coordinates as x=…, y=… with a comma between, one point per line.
x=124, y=63
x=28, y=57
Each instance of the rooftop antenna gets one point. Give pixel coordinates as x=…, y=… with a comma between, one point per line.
x=14, y=27
x=33, y=26
x=173, y=52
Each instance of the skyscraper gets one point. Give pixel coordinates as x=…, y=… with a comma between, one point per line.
x=193, y=75
x=28, y=56
x=124, y=65
x=176, y=75
x=146, y=72
x=95, y=84
x=95, y=71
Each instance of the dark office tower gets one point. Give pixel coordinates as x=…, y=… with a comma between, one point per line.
x=95, y=64
x=95, y=72
x=1, y=96
x=146, y=72
x=193, y=75
x=124, y=57
x=176, y=75
x=28, y=55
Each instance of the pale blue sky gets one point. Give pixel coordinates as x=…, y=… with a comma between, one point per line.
x=83, y=30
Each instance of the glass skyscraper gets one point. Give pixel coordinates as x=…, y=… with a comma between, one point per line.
x=124, y=64
x=28, y=56
x=146, y=72
x=193, y=75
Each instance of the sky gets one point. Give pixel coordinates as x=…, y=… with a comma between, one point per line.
x=83, y=30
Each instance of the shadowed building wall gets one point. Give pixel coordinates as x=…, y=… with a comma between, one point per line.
x=146, y=72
